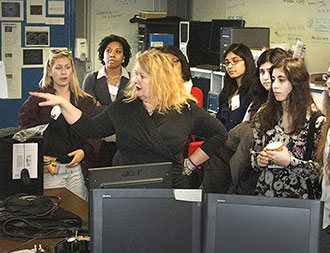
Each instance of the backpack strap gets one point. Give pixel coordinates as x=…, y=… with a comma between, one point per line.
x=308, y=153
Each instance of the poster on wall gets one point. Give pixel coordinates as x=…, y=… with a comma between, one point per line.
x=35, y=11
x=11, y=10
x=36, y=57
x=56, y=7
x=3, y=81
x=37, y=36
x=11, y=41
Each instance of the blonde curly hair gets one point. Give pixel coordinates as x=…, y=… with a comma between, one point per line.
x=166, y=84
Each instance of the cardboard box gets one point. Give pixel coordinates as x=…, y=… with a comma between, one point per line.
x=152, y=14
x=316, y=78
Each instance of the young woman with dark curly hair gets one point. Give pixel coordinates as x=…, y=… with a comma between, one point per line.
x=106, y=84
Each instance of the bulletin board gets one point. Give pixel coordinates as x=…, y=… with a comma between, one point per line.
x=112, y=17
x=290, y=20
x=29, y=29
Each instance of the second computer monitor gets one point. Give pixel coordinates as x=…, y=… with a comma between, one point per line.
x=236, y=224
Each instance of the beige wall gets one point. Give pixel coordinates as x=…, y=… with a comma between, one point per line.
x=308, y=21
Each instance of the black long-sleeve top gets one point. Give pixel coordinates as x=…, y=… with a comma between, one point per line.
x=59, y=138
x=136, y=139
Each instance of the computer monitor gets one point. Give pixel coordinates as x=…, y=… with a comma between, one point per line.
x=255, y=224
x=144, y=220
x=151, y=175
x=216, y=24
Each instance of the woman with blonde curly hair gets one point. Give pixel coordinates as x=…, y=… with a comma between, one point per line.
x=69, y=153
x=152, y=121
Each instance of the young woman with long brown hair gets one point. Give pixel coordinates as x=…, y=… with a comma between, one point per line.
x=286, y=118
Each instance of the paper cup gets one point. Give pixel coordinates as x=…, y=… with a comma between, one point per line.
x=275, y=146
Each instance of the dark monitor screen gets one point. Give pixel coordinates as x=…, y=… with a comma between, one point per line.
x=258, y=224
x=152, y=175
x=184, y=33
x=214, y=42
x=144, y=220
x=253, y=37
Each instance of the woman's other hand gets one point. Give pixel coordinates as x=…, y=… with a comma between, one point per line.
x=47, y=161
x=262, y=159
x=78, y=156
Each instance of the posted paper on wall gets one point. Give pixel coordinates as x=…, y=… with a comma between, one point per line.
x=56, y=7
x=25, y=155
x=36, y=11
x=10, y=42
x=12, y=10
x=3, y=81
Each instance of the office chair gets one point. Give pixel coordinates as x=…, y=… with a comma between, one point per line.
x=198, y=94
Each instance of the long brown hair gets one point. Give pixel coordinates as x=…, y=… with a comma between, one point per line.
x=299, y=99
x=260, y=94
x=323, y=140
x=248, y=79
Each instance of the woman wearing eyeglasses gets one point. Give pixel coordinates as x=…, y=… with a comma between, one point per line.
x=235, y=97
x=181, y=63
x=67, y=156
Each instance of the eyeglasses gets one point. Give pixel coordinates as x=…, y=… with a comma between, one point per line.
x=235, y=61
x=58, y=51
x=325, y=77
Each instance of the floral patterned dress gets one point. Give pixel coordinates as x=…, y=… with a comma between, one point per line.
x=289, y=182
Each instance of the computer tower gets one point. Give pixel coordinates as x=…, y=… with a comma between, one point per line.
x=168, y=25
x=213, y=103
x=194, y=43
x=159, y=40
x=253, y=37
x=217, y=24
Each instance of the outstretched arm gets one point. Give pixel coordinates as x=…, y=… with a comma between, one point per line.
x=70, y=112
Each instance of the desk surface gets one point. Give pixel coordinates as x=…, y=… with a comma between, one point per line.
x=70, y=202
